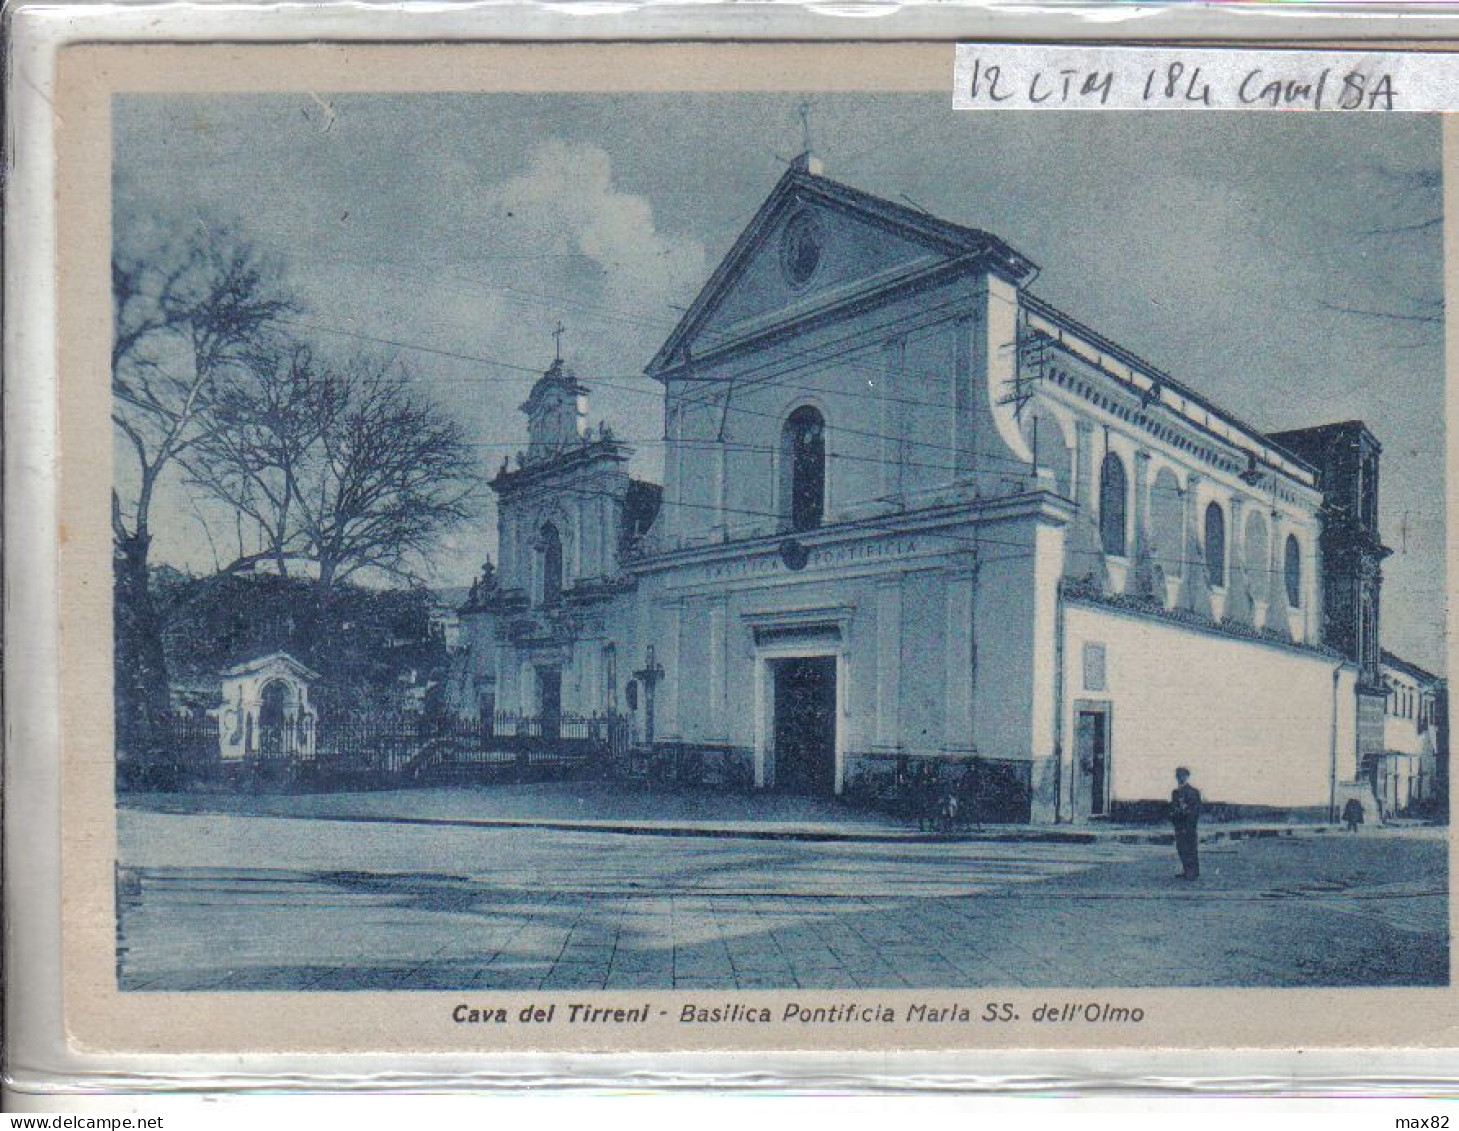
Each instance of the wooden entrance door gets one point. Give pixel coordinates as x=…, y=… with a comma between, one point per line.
x=1091, y=763
x=805, y=724
x=549, y=701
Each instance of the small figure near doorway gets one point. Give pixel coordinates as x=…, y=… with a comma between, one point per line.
x=1185, y=815
x=1352, y=814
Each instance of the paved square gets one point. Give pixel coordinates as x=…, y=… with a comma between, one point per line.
x=239, y=902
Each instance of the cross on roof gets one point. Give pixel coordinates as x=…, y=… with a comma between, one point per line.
x=557, y=339
x=805, y=127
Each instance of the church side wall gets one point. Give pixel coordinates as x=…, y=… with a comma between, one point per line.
x=1254, y=722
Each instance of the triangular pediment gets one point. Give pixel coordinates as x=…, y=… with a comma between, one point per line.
x=844, y=254
x=275, y=663
x=812, y=244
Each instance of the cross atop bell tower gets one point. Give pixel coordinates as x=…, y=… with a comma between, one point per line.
x=556, y=408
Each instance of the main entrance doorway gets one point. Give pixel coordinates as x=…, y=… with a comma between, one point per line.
x=1091, y=762
x=549, y=701
x=805, y=724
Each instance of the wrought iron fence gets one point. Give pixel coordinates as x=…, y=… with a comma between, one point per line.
x=395, y=747
x=191, y=739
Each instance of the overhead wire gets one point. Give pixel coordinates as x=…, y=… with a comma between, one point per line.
x=773, y=371
x=888, y=524
x=1023, y=466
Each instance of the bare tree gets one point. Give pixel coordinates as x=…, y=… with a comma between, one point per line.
x=187, y=311
x=267, y=426
x=346, y=469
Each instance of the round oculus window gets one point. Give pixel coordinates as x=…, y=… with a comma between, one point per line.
x=800, y=248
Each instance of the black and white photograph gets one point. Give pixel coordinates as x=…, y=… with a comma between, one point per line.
x=774, y=541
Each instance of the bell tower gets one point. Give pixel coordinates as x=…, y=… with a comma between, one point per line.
x=1347, y=457
x=556, y=409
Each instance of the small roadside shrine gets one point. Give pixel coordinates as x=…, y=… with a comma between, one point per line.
x=264, y=709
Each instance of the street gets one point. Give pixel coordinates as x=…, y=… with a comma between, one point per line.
x=248, y=902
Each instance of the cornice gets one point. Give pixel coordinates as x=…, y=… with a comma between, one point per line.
x=1079, y=593
x=531, y=474
x=1039, y=505
x=896, y=287
x=1151, y=385
x=1211, y=450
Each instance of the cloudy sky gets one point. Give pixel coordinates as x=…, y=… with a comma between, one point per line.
x=1221, y=247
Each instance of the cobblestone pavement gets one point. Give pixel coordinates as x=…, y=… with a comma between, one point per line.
x=593, y=802
x=244, y=902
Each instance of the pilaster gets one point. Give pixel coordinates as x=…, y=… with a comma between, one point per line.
x=718, y=689
x=962, y=399
x=1195, y=581
x=719, y=471
x=1277, y=619
x=1141, y=579
x=1083, y=554
x=958, y=662
x=891, y=419
x=507, y=551
x=888, y=662
x=673, y=677
x=579, y=554
x=1238, y=587
x=673, y=473
x=605, y=524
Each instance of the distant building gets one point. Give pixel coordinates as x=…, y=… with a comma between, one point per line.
x=1411, y=772
x=445, y=622
x=914, y=515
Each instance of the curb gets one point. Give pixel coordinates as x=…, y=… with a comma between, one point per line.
x=1013, y=835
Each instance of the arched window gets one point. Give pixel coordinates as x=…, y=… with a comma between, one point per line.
x=803, y=448
x=1112, y=503
x=551, y=544
x=1294, y=572
x=1215, y=544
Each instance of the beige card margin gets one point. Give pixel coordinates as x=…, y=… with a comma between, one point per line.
x=99, y=1018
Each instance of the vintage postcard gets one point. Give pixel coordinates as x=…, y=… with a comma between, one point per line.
x=709, y=546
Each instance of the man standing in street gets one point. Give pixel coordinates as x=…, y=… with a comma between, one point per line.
x=1185, y=814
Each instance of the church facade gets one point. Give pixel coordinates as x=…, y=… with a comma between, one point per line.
x=915, y=516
